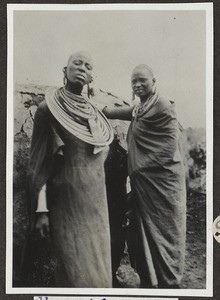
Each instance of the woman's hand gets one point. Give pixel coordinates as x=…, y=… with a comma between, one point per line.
x=42, y=225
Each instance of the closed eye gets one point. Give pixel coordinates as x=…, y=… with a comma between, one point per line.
x=77, y=62
x=89, y=67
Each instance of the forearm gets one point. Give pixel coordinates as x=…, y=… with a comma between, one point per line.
x=42, y=201
x=42, y=220
x=121, y=113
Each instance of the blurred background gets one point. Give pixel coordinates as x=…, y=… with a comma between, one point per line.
x=173, y=43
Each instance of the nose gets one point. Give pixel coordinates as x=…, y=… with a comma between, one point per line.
x=137, y=84
x=82, y=67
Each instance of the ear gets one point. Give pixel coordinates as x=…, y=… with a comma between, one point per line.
x=154, y=80
x=64, y=70
x=90, y=79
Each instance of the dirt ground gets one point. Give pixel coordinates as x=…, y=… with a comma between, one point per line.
x=195, y=262
x=195, y=265
x=27, y=99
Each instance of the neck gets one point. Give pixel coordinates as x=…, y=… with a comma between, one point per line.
x=74, y=88
x=145, y=98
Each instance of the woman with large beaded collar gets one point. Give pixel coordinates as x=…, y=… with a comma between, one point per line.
x=67, y=180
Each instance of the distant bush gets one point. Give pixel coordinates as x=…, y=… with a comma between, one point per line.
x=193, y=145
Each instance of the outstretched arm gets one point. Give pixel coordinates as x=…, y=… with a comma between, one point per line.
x=121, y=113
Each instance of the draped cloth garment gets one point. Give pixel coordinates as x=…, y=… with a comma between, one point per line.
x=158, y=185
x=76, y=199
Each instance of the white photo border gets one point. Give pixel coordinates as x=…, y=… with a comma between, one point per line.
x=208, y=292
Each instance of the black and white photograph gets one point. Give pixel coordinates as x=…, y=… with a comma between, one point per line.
x=110, y=149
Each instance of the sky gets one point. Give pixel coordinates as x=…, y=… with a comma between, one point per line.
x=172, y=43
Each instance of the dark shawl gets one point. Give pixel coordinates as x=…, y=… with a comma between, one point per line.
x=46, y=147
x=158, y=185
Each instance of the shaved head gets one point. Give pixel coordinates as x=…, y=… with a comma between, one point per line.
x=79, y=70
x=81, y=54
x=143, y=81
x=145, y=68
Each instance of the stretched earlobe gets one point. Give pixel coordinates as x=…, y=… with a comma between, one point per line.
x=133, y=96
x=90, y=91
x=154, y=86
x=91, y=79
x=64, y=80
x=154, y=89
x=64, y=76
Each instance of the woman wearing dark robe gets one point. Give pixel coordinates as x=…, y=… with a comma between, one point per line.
x=68, y=150
x=157, y=177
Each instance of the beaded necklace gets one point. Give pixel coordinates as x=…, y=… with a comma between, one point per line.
x=80, y=117
x=144, y=108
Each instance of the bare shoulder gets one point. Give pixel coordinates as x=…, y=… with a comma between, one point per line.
x=161, y=104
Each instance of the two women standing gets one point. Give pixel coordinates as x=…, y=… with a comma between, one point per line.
x=69, y=146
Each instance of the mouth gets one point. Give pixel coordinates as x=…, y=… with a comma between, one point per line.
x=80, y=76
x=138, y=91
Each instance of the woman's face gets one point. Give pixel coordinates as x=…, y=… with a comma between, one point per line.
x=142, y=82
x=79, y=68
